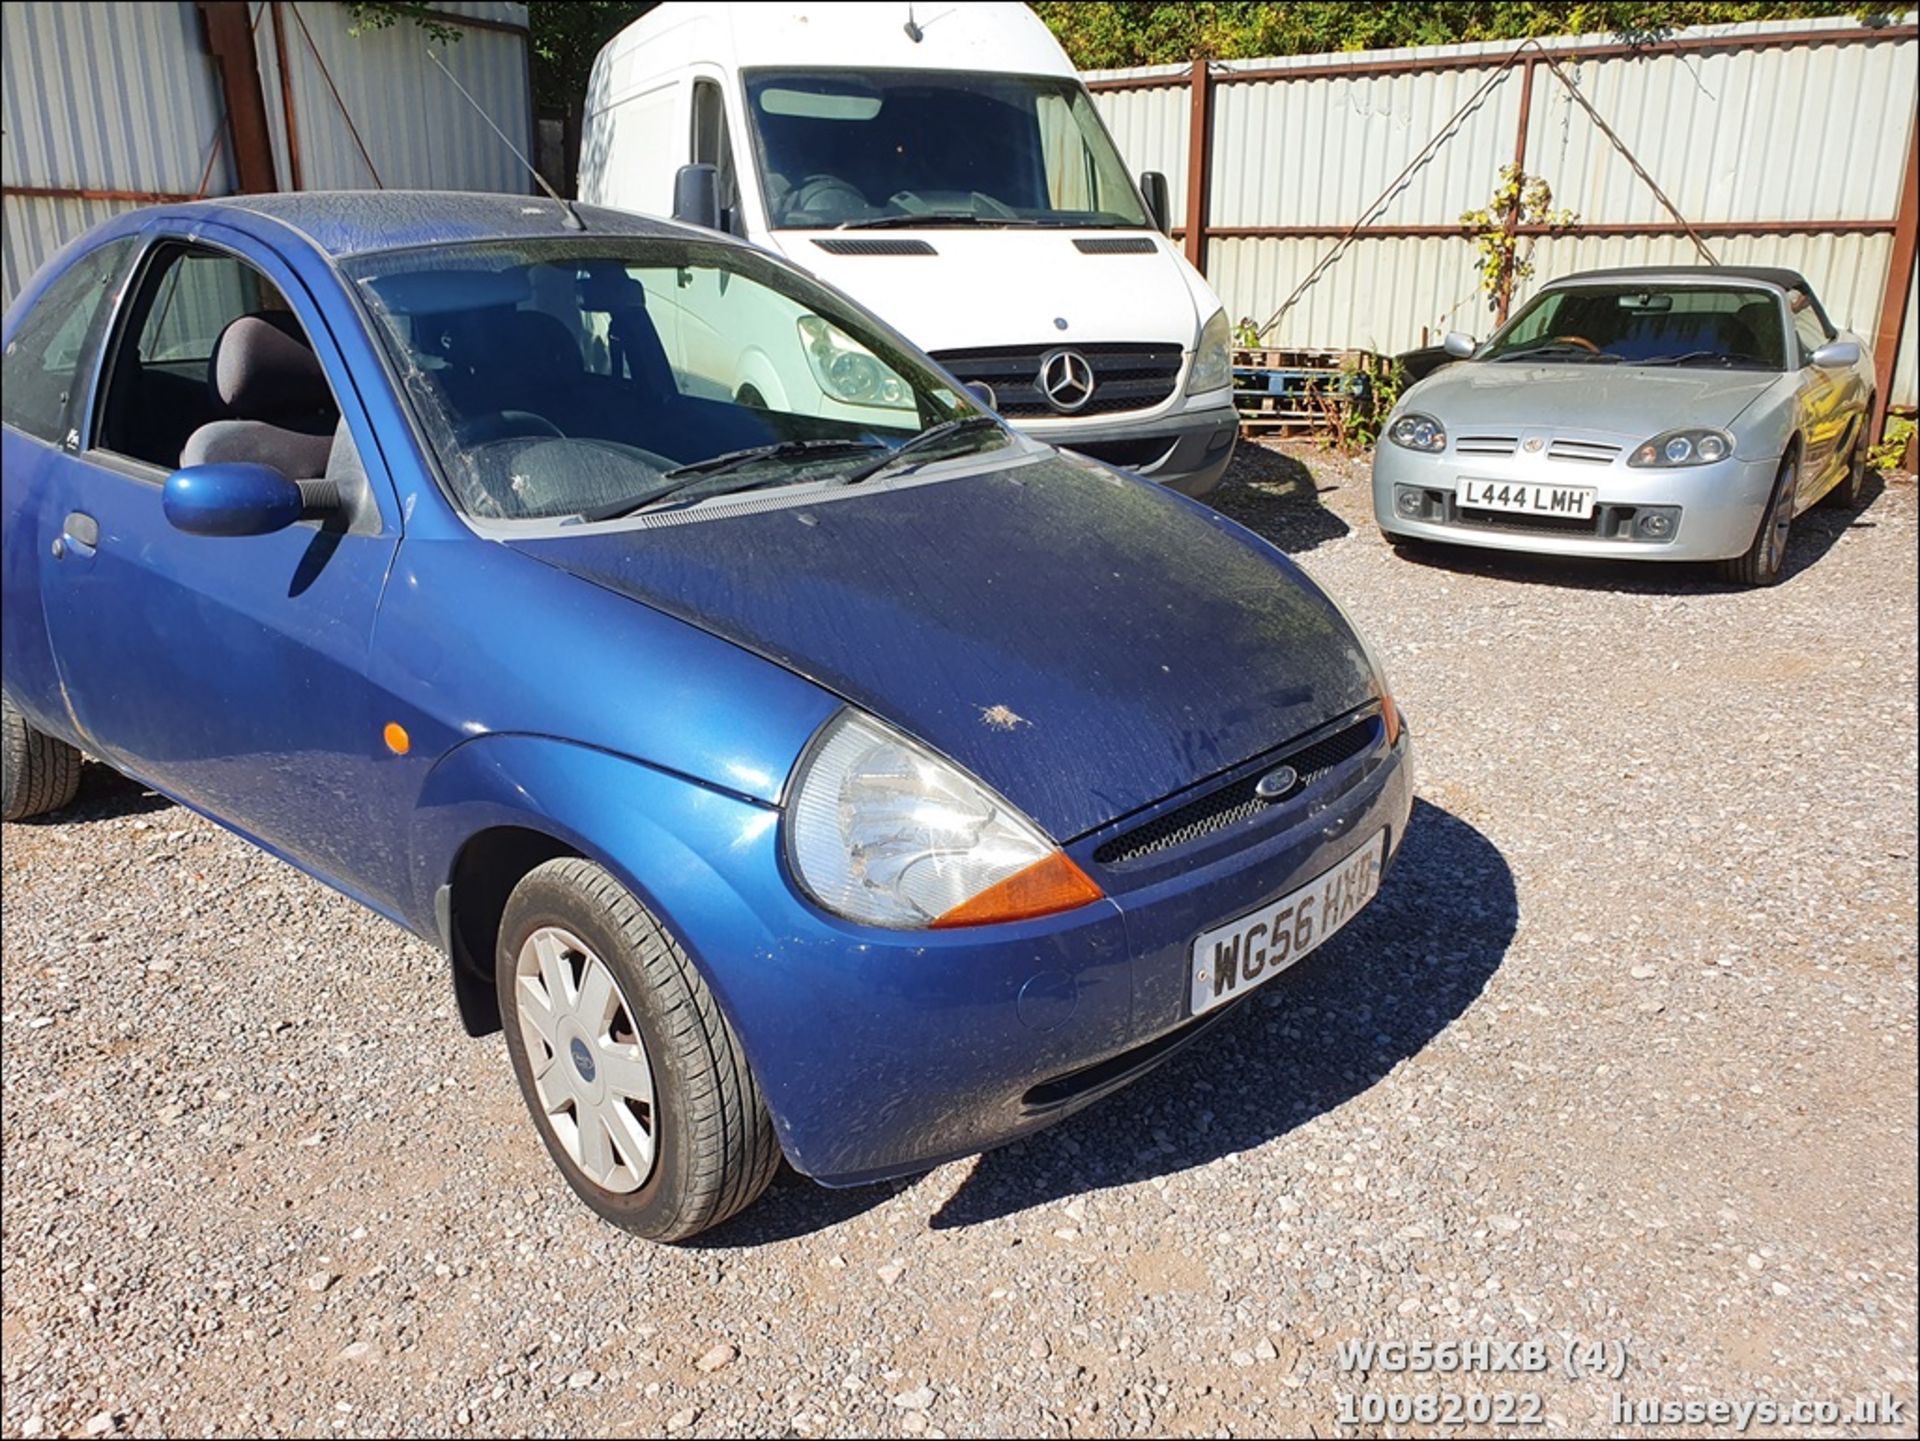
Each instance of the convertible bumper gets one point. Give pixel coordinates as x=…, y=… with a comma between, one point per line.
x=1714, y=510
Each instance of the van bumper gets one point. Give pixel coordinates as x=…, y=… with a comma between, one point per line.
x=1187, y=451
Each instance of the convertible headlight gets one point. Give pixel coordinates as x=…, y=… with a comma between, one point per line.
x=1212, y=356
x=1683, y=447
x=847, y=370
x=883, y=831
x=1415, y=431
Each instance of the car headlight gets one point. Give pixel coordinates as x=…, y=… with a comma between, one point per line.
x=1683, y=447
x=883, y=831
x=1415, y=431
x=847, y=370
x=1212, y=356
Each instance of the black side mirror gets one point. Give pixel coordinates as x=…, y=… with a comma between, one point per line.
x=696, y=196
x=1153, y=190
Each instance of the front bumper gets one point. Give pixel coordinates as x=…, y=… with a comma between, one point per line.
x=1719, y=505
x=887, y=1052
x=1185, y=450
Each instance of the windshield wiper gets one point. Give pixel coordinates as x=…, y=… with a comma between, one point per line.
x=932, y=218
x=1696, y=357
x=946, y=430
x=1560, y=352
x=685, y=477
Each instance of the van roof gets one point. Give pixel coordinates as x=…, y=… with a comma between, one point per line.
x=995, y=38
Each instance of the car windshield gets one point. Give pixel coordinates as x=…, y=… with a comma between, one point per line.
x=1663, y=325
x=881, y=148
x=588, y=378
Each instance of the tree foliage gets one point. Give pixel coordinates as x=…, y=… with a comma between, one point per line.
x=567, y=34
x=1101, y=35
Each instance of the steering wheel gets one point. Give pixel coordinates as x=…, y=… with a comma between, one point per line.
x=1579, y=340
x=842, y=199
x=489, y=426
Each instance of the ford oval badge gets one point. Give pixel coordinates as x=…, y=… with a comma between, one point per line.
x=1276, y=783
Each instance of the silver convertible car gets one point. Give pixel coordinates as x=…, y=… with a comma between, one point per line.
x=1682, y=413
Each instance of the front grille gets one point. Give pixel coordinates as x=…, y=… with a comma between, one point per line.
x=1486, y=444
x=874, y=245
x=1127, y=375
x=1114, y=245
x=1592, y=452
x=1529, y=524
x=1127, y=454
x=1237, y=802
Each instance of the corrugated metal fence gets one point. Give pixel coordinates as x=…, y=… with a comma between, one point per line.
x=109, y=106
x=1789, y=143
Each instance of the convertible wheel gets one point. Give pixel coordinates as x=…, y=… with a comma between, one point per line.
x=1852, y=488
x=1767, y=556
x=638, y=1085
x=38, y=772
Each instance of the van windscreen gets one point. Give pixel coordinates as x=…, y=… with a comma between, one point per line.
x=928, y=148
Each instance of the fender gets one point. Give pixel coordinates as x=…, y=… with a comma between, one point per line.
x=685, y=849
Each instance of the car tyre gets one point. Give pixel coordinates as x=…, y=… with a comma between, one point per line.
x=1765, y=560
x=1852, y=487
x=38, y=772
x=700, y=1147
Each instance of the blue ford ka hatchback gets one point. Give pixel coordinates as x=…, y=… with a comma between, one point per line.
x=790, y=762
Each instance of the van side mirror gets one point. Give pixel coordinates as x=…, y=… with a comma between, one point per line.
x=1836, y=355
x=231, y=498
x=1153, y=190
x=1459, y=344
x=696, y=196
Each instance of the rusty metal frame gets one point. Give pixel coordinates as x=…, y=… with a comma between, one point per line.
x=1900, y=283
x=288, y=122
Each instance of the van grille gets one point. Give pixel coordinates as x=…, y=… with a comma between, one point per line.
x=873, y=245
x=1114, y=245
x=1127, y=375
x=1237, y=802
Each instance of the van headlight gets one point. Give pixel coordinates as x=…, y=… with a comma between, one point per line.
x=847, y=370
x=1212, y=356
x=883, y=831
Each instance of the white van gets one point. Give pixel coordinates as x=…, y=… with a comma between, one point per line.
x=943, y=165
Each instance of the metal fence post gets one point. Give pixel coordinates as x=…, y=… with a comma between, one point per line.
x=1199, y=161
x=1900, y=279
x=1513, y=210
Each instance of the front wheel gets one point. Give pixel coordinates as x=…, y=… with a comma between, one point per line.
x=38, y=772
x=1765, y=560
x=636, y=1082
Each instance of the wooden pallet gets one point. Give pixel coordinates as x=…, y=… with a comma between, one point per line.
x=1300, y=392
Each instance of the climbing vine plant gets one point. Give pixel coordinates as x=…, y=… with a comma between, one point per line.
x=1506, y=256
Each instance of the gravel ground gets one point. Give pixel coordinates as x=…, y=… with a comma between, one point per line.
x=1624, y=1053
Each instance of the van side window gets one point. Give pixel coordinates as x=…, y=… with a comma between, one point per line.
x=43, y=363
x=712, y=147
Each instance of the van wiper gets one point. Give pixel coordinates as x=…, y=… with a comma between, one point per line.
x=685, y=477
x=931, y=219
x=946, y=430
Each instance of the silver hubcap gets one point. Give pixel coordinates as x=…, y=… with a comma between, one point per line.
x=590, y=1068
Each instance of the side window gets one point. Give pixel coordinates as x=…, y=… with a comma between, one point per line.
x=168, y=403
x=710, y=143
x=1806, y=324
x=43, y=361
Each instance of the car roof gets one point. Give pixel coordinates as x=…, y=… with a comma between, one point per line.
x=1711, y=274
x=355, y=222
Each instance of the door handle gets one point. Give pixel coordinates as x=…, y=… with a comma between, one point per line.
x=80, y=531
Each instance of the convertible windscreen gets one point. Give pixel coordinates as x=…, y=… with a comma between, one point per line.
x=1669, y=325
x=592, y=378
x=914, y=148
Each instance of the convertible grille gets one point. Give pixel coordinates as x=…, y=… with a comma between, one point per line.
x=1236, y=802
x=1593, y=452
x=1127, y=375
x=1486, y=444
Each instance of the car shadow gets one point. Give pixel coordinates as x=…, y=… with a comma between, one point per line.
x=1321, y=1034
x=1815, y=532
x=1274, y=494
x=104, y=795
